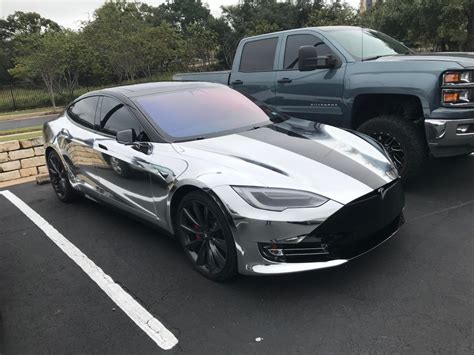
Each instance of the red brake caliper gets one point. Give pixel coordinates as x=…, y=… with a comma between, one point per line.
x=198, y=236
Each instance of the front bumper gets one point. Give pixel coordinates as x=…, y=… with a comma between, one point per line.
x=333, y=237
x=450, y=132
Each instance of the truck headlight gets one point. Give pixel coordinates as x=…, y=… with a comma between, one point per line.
x=458, y=88
x=458, y=77
x=458, y=97
x=275, y=199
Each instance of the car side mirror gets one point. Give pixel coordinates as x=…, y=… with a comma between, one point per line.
x=308, y=59
x=127, y=136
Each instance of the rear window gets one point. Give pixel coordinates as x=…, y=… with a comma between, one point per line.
x=201, y=112
x=258, y=55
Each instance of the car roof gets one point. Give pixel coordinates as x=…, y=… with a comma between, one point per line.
x=155, y=88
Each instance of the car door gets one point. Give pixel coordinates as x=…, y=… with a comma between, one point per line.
x=314, y=95
x=76, y=143
x=124, y=170
x=253, y=71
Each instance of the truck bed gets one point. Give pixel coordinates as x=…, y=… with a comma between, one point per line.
x=221, y=77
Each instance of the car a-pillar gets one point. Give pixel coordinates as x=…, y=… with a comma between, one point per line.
x=396, y=121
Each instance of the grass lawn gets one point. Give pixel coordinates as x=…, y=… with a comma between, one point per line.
x=26, y=135
x=5, y=116
x=31, y=110
x=8, y=132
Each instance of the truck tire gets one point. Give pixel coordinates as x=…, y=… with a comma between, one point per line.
x=402, y=139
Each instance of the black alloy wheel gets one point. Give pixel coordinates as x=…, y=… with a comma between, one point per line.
x=403, y=140
x=393, y=148
x=205, y=236
x=59, y=178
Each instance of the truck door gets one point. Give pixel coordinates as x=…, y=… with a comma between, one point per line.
x=314, y=95
x=253, y=71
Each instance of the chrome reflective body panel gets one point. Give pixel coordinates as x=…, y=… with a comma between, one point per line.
x=295, y=154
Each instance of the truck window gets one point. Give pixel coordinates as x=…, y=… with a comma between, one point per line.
x=294, y=42
x=258, y=55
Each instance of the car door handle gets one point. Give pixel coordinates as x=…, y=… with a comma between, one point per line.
x=237, y=82
x=101, y=146
x=284, y=81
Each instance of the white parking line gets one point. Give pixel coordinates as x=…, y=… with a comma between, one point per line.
x=149, y=324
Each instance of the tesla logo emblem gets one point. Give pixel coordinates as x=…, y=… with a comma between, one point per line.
x=382, y=192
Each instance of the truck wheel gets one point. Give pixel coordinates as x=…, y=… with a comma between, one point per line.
x=402, y=139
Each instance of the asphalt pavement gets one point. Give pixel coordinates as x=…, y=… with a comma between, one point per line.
x=26, y=122
x=414, y=294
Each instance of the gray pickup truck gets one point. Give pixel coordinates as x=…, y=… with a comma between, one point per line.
x=416, y=105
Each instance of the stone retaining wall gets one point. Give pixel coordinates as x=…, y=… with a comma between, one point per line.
x=21, y=159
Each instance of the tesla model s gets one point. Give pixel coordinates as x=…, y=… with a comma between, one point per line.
x=243, y=188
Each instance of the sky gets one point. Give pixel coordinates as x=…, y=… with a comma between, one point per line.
x=70, y=13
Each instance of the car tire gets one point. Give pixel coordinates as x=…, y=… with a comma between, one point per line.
x=59, y=178
x=402, y=139
x=206, y=237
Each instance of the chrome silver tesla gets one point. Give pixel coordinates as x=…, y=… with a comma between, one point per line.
x=242, y=187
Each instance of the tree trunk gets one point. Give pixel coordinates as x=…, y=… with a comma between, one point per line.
x=48, y=81
x=469, y=45
x=53, y=100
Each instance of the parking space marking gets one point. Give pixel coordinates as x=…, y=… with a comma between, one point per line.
x=137, y=313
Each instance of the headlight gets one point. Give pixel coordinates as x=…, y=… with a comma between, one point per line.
x=461, y=97
x=275, y=199
x=458, y=77
x=458, y=89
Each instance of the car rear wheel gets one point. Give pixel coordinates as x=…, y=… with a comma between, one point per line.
x=402, y=140
x=59, y=178
x=205, y=236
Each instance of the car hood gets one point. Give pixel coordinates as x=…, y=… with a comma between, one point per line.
x=295, y=154
x=464, y=59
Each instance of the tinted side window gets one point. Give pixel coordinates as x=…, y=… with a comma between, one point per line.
x=258, y=55
x=115, y=117
x=83, y=111
x=293, y=43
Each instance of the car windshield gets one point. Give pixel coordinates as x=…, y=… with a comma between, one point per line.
x=202, y=112
x=366, y=44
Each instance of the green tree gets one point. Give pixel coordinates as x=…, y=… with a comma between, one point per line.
x=42, y=61
x=184, y=13
x=25, y=23
x=335, y=14
x=114, y=35
x=15, y=28
x=160, y=47
x=439, y=25
x=468, y=9
x=200, y=45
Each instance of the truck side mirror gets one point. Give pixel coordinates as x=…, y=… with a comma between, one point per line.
x=308, y=59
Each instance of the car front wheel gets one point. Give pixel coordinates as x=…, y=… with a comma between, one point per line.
x=206, y=237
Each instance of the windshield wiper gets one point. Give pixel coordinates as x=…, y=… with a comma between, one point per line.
x=374, y=57
x=385, y=55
